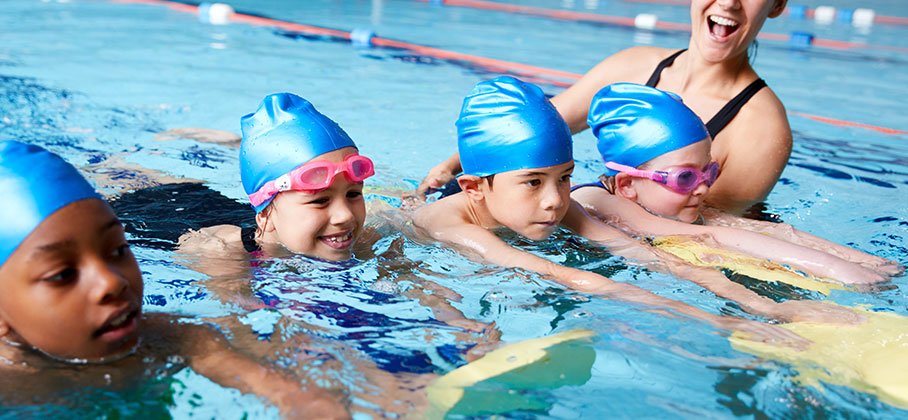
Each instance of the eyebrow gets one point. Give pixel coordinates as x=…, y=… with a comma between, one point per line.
x=529, y=174
x=56, y=247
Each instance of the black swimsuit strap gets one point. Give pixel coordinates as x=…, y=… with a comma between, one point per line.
x=728, y=112
x=654, y=78
x=247, y=234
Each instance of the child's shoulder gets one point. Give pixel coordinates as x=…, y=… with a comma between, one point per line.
x=212, y=239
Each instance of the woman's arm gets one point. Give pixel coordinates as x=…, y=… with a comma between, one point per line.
x=752, y=151
x=440, y=175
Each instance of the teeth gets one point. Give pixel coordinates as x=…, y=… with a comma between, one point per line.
x=119, y=320
x=337, y=239
x=723, y=21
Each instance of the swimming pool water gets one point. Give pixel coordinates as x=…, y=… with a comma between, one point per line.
x=98, y=79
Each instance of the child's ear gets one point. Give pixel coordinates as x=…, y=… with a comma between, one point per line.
x=470, y=185
x=624, y=187
x=262, y=219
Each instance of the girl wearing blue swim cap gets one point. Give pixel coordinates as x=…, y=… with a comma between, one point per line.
x=71, y=292
x=304, y=178
x=656, y=153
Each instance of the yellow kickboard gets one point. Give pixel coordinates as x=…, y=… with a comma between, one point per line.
x=702, y=255
x=871, y=357
x=487, y=386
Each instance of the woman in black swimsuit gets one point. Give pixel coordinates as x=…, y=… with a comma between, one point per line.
x=751, y=135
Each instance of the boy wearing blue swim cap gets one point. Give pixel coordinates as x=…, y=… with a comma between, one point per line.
x=658, y=167
x=516, y=152
x=71, y=292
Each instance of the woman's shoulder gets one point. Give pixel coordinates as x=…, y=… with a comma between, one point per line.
x=764, y=115
x=634, y=64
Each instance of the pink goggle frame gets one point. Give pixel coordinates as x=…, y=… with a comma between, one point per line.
x=679, y=180
x=315, y=176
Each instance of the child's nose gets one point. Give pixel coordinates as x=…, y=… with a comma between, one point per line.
x=701, y=189
x=341, y=213
x=552, y=199
x=109, y=284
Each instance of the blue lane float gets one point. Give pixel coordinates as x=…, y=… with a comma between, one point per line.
x=800, y=39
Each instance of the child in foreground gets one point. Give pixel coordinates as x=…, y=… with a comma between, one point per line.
x=517, y=157
x=71, y=293
x=656, y=151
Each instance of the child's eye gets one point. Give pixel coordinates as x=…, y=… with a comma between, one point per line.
x=566, y=178
x=533, y=183
x=354, y=194
x=320, y=201
x=121, y=251
x=61, y=277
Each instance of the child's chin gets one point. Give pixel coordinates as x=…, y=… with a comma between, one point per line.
x=688, y=216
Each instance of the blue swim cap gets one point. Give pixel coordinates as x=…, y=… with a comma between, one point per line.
x=36, y=183
x=636, y=123
x=284, y=133
x=506, y=124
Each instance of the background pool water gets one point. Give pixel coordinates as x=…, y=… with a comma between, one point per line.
x=94, y=80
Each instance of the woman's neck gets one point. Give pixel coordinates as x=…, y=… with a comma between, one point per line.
x=711, y=78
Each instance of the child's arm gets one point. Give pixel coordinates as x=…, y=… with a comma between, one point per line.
x=787, y=232
x=820, y=263
x=485, y=245
x=619, y=243
x=210, y=355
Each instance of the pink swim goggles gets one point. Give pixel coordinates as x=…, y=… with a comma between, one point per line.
x=679, y=180
x=315, y=176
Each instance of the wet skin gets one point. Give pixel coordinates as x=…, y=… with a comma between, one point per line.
x=73, y=288
x=323, y=224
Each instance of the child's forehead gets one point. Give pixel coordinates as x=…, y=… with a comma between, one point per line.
x=546, y=170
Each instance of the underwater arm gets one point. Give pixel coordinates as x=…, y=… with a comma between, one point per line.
x=620, y=244
x=211, y=356
x=481, y=242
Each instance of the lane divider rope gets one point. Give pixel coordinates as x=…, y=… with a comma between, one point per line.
x=629, y=22
x=540, y=74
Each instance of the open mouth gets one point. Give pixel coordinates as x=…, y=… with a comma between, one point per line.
x=338, y=241
x=721, y=27
x=119, y=327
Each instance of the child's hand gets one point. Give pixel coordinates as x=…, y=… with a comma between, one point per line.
x=813, y=311
x=764, y=333
x=885, y=267
x=851, y=273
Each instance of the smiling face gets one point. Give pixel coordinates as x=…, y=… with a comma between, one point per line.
x=73, y=289
x=659, y=199
x=322, y=224
x=531, y=202
x=723, y=29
